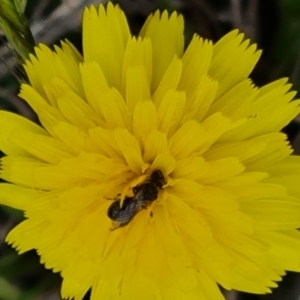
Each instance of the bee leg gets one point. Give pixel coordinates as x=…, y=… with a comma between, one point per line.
x=143, y=205
x=115, y=225
x=115, y=198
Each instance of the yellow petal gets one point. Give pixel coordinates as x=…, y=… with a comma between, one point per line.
x=164, y=162
x=95, y=84
x=44, y=59
x=286, y=173
x=32, y=97
x=187, y=140
x=232, y=61
x=230, y=103
x=138, y=52
x=137, y=87
x=144, y=119
x=214, y=126
x=169, y=111
x=58, y=64
x=104, y=24
x=244, y=150
x=283, y=248
x=199, y=102
x=155, y=143
x=169, y=81
x=276, y=148
x=10, y=123
x=76, y=139
x=190, y=168
x=105, y=142
x=130, y=149
x=274, y=214
x=159, y=28
x=77, y=111
x=270, y=111
x=196, y=61
x=16, y=196
x=223, y=169
x=40, y=146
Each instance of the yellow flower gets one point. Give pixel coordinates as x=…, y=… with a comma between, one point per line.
x=226, y=207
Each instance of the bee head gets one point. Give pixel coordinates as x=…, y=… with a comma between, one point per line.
x=158, y=178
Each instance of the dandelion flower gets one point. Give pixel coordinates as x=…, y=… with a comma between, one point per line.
x=227, y=210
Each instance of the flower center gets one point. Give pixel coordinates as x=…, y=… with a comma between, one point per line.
x=122, y=212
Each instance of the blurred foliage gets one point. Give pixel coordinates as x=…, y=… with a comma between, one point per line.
x=273, y=24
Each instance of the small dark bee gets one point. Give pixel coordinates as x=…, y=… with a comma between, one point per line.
x=144, y=194
x=122, y=215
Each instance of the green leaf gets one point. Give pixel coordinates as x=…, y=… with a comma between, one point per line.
x=8, y=291
x=20, y=6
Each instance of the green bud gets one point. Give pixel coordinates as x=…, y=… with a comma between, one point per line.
x=16, y=28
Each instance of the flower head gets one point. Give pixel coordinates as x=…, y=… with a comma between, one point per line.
x=177, y=151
